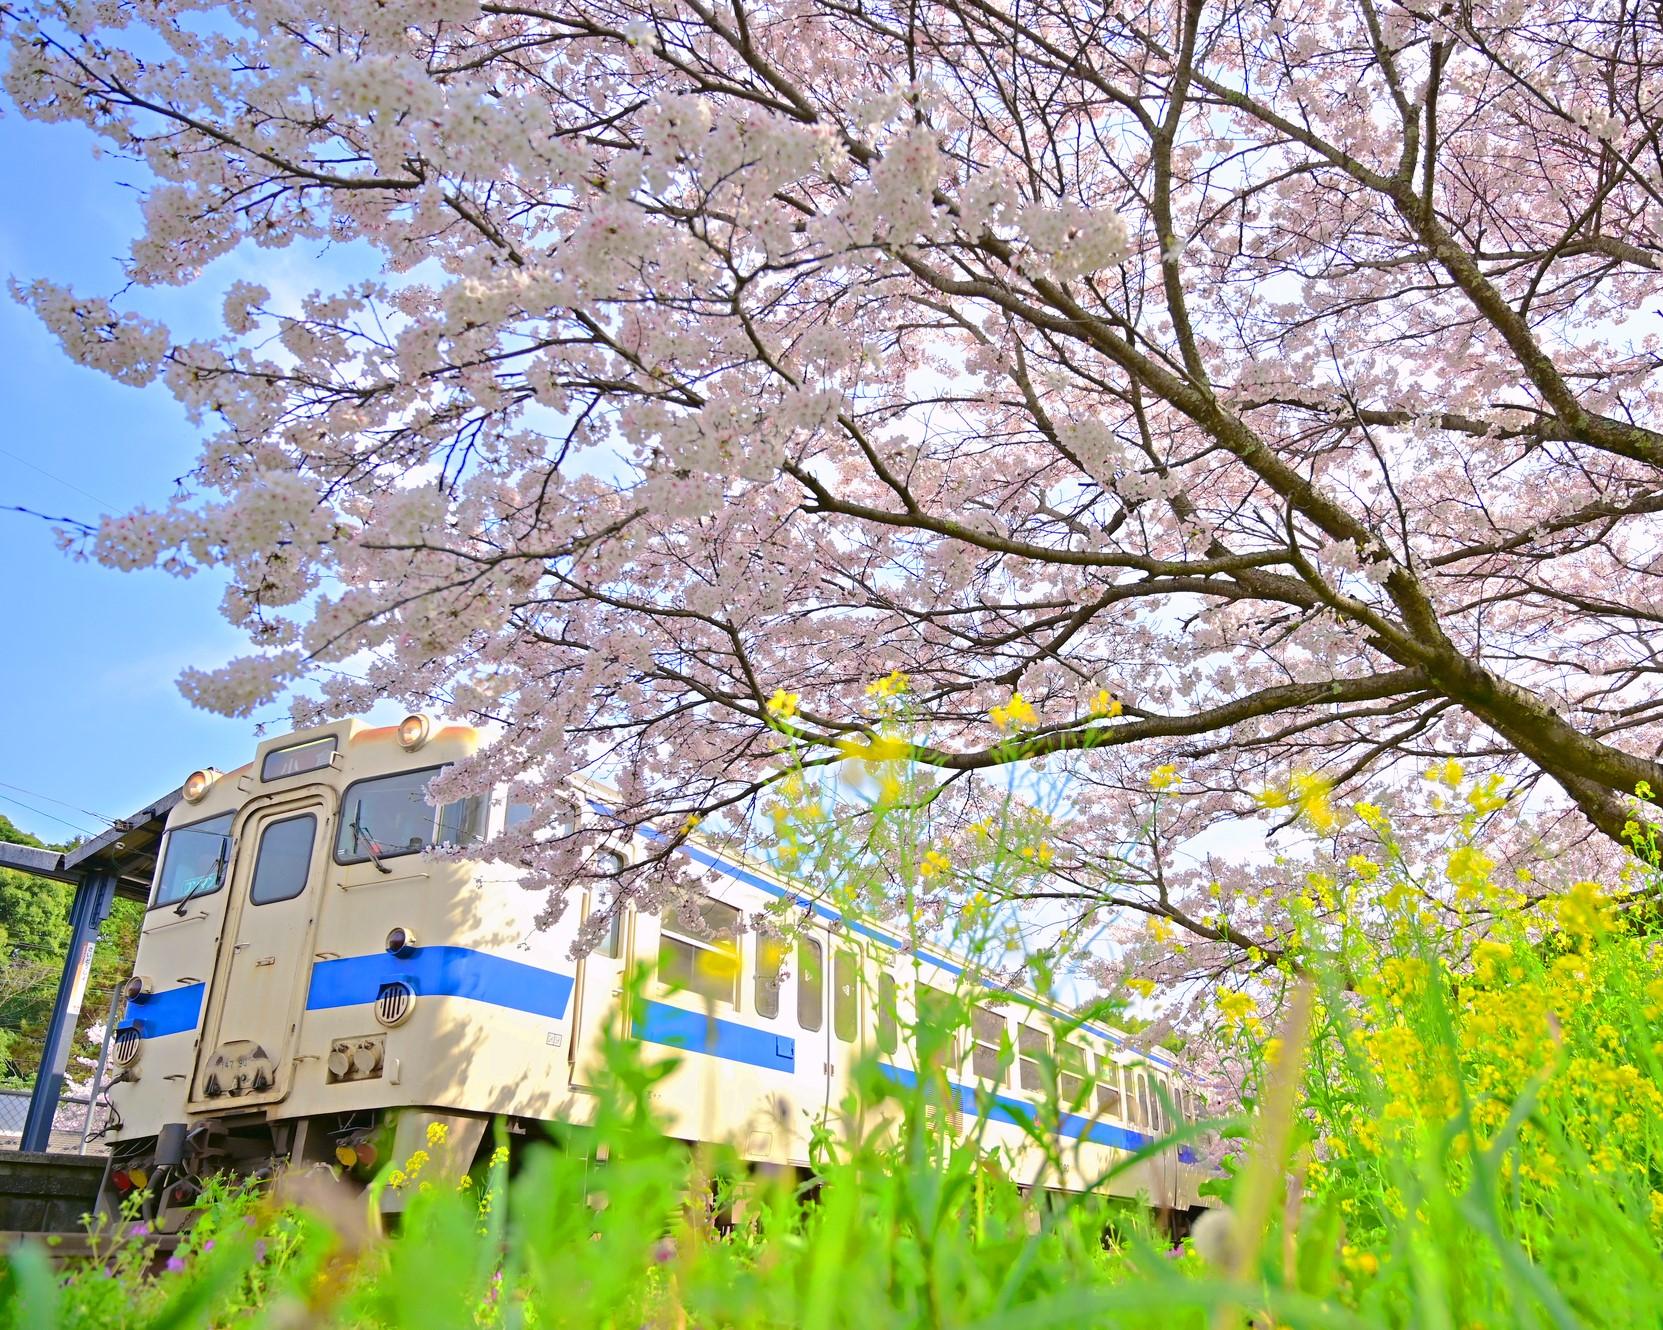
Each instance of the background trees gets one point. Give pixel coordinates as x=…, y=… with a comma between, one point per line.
x=34, y=938
x=1252, y=390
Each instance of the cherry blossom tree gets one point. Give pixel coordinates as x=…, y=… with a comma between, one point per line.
x=1232, y=390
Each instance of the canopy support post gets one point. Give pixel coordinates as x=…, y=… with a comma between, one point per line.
x=94, y=895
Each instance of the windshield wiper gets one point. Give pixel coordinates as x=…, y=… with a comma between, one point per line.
x=206, y=884
x=360, y=830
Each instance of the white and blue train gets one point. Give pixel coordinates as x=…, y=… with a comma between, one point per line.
x=310, y=987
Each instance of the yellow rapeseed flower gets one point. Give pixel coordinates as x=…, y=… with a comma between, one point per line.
x=1487, y=797
x=934, y=864
x=1582, y=911
x=1163, y=777
x=875, y=748
x=783, y=704
x=1017, y=712
x=1236, y=1007
x=1448, y=772
x=1105, y=706
x=892, y=684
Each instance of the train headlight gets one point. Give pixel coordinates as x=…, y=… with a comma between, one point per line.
x=198, y=783
x=413, y=732
x=400, y=941
x=136, y=988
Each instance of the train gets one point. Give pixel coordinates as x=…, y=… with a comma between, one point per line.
x=326, y=977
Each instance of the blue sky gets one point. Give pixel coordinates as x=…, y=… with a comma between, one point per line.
x=91, y=714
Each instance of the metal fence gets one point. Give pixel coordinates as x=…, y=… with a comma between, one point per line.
x=69, y=1120
x=14, y=1107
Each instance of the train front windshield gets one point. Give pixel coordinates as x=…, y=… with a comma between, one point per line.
x=195, y=861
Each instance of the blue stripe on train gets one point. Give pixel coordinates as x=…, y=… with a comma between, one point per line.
x=695, y=1032
x=441, y=972
x=172, y=1011
x=1015, y=1112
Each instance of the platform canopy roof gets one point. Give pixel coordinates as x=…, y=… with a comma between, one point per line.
x=128, y=850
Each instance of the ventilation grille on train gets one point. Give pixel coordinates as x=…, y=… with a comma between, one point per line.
x=124, y=1045
x=394, y=1001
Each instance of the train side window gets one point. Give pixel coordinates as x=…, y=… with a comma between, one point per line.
x=1109, y=1102
x=934, y=1032
x=462, y=822
x=194, y=863
x=1163, y=1115
x=889, y=1028
x=846, y=995
x=1031, y=1045
x=284, y=860
x=702, y=957
x=519, y=812
x=1145, y=1119
x=811, y=984
x=770, y=960
x=987, y=1029
x=1073, y=1070
x=612, y=945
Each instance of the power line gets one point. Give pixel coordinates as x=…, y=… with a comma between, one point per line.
x=41, y=812
x=62, y=803
x=67, y=484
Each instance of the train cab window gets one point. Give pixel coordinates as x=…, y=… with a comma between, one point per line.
x=846, y=995
x=195, y=860
x=702, y=955
x=1109, y=1102
x=987, y=1029
x=770, y=962
x=1030, y=1047
x=1073, y=1070
x=811, y=984
x=284, y=860
x=387, y=816
x=889, y=1025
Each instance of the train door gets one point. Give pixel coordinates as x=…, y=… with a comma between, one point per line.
x=600, y=990
x=265, y=953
